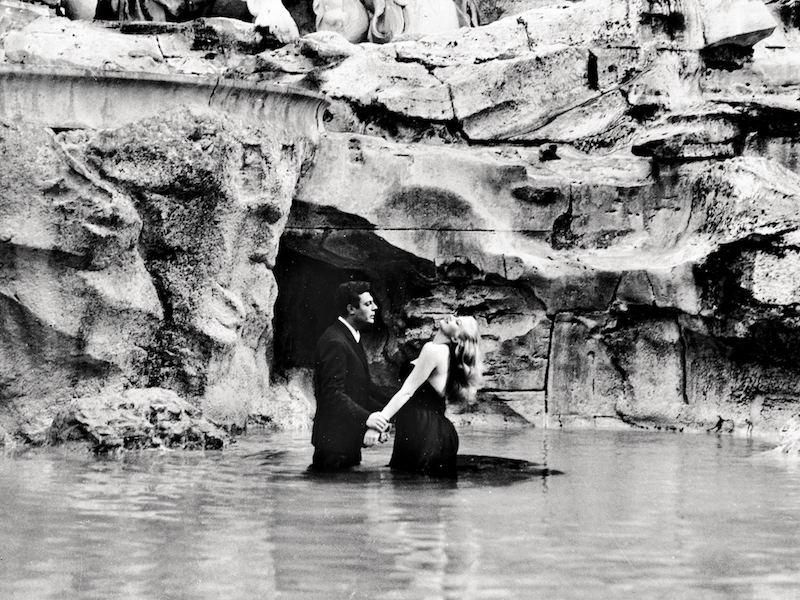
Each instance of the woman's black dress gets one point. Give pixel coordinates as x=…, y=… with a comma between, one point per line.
x=425, y=441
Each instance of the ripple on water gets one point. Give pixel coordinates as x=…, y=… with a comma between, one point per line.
x=634, y=515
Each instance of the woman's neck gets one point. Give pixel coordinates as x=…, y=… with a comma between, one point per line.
x=440, y=338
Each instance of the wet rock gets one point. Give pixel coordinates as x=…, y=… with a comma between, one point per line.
x=134, y=420
x=213, y=198
x=550, y=63
x=288, y=404
x=724, y=381
x=782, y=149
x=669, y=80
x=34, y=430
x=769, y=274
x=645, y=278
x=601, y=122
x=582, y=379
x=140, y=255
x=77, y=305
x=634, y=288
x=764, y=80
x=789, y=439
x=205, y=46
x=648, y=357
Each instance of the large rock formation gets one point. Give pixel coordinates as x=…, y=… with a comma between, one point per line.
x=610, y=187
x=141, y=257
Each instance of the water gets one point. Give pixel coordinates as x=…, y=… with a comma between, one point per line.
x=635, y=515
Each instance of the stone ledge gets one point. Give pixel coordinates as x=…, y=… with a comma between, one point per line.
x=69, y=98
x=606, y=423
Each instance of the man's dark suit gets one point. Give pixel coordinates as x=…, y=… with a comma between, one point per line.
x=345, y=398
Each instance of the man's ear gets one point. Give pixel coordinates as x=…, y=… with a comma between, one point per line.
x=351, y=309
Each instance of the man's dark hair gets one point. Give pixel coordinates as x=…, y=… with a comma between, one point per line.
x=348, y=293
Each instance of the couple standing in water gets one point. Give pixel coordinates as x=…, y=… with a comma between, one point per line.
x=352, y=412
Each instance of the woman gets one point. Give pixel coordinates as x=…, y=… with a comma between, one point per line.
x=447, y=367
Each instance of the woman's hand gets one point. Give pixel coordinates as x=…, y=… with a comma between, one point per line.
x=377, y=421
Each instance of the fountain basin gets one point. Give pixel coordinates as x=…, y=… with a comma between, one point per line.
x=65, y=98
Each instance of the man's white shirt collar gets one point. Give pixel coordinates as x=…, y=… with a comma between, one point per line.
x=354, y=331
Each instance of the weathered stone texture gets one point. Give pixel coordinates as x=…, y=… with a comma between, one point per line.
x=507, y=37
x=133, y=420
x=78, y=305
x=745, y=197
x=60, y=42
x=213, y=199
x=789, y=439
x=413, y=92
x=15, y=14
x=649, y=359
x=515, y=336
x=773, y=277
x=609, y=186
x=141, y=256
x=403, y=186
x=505, y=99
x=582, y=380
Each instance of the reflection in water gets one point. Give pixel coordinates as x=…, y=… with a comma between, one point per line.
x=634, y=515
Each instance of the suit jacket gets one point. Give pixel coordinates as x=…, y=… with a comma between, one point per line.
x=344, y=392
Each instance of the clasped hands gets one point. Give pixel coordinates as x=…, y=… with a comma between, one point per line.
x=378, y=428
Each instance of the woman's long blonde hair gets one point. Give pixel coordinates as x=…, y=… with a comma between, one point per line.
x=465, y=364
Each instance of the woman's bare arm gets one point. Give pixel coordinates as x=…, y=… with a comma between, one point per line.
x=429, y=359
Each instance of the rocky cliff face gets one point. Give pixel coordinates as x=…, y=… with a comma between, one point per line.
x=610, y=187
x=141, y=257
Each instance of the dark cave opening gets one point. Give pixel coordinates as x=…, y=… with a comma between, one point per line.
x=304, y=307
x=310, y=265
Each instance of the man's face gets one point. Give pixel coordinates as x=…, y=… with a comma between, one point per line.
x=364, y=314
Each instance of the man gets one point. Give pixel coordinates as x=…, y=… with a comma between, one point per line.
x=347, y=400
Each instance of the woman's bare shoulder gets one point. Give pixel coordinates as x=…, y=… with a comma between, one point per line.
x=434, y=350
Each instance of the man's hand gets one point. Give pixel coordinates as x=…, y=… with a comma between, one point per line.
x=377, y=421
x=371, y=437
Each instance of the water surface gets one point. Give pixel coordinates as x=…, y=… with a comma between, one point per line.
x=635, y=515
